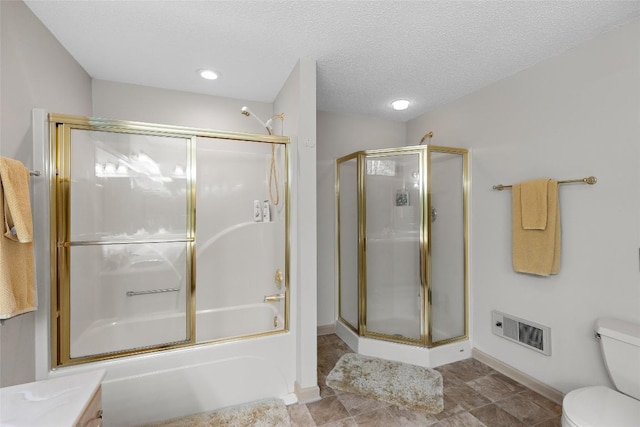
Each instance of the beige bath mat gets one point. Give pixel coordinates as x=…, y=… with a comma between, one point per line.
x=399, y=383
x=264, y=413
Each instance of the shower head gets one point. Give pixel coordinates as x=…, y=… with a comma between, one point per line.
x=426, y=136
x=245, y=110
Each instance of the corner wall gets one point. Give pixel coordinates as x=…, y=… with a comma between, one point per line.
x=571, y=116
x=35, y=71
x=297, y=100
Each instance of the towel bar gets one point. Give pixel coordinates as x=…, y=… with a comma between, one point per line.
x=121, y=242
x=588, y=180
x=151, y=291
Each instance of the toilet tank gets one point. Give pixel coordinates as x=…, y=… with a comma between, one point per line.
x=620, y=343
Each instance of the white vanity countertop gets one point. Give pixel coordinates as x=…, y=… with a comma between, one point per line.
x=54, y=402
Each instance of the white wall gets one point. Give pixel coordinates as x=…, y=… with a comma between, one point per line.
x=297, y=100
x=339, y=135
x=35, y=71
x=123, y=101
x=574, y=115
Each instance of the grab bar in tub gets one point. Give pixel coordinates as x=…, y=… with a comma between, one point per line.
x=273, y=298
x=151, y=291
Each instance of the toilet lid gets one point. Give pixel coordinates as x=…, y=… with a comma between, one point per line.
x=600, y=406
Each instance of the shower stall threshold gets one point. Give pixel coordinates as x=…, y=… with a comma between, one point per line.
x=413, y=354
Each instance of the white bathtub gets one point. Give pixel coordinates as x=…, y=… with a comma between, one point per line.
x=168, y=384
x=214, y=324
x=106, y=336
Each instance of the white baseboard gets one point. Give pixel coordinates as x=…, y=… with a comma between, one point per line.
x=524, y=379
x=326, y=329
x=306, y=395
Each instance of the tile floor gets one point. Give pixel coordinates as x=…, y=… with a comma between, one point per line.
x=475, y=395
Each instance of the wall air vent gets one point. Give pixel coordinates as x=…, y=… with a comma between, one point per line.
x=530, y=334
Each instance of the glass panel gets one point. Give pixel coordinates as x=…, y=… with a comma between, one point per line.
x=239, y=250
x=348, y=244
x=447, y=246
x=127, y=296
x=127, y=186
x=393, y=206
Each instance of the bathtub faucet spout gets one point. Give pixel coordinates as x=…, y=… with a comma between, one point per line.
x=273, y=298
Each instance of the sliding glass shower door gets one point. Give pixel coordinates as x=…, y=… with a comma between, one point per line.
x=127, y=241
x=241, y=247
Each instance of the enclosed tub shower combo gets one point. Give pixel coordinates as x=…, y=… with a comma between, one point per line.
x=402, y=253
x=169, y=238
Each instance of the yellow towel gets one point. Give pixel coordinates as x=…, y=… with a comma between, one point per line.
x=536, y=251
x=533, y=201
x=17, y=291
x=16, y=205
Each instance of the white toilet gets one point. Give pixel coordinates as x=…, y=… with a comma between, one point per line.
x=600, y=406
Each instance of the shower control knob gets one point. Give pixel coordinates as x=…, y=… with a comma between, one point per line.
x=278, y=278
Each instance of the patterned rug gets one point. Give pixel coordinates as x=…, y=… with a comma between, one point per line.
x=264, y=413
x=398, y=383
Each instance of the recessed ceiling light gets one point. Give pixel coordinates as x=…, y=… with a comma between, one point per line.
x=208, y=74
x=400, y=104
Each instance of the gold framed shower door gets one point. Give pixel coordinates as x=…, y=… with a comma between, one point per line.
x=424, y=180
x=61, y=242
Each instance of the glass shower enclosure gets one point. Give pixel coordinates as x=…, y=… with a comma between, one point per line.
x=402, y=244
x=125, y=278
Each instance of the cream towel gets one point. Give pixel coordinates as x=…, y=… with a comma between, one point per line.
x=533, y=201
x=17, y=291
x=536, y=251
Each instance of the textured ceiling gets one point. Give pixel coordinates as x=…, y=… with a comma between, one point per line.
x=368, y=53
